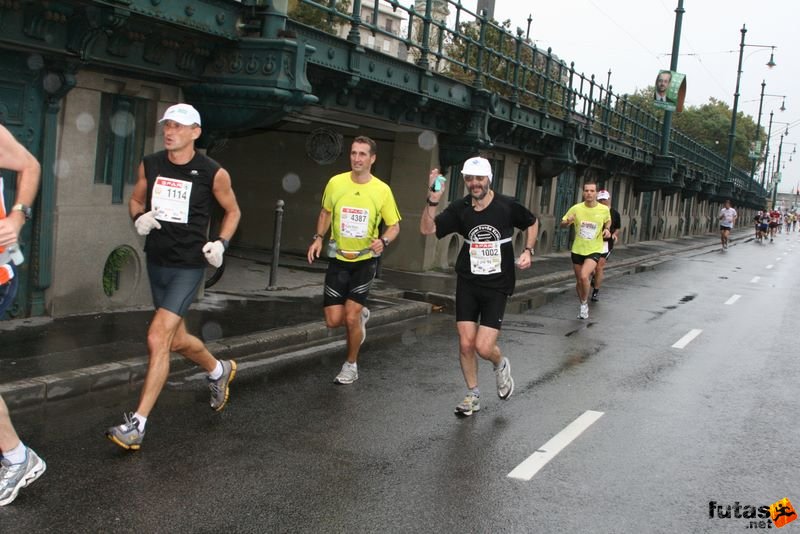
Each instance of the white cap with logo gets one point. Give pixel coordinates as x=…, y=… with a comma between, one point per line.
x=182, y=114
x=603, y=195
x=477, y=167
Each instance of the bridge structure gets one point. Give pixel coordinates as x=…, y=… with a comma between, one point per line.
x=431, y=66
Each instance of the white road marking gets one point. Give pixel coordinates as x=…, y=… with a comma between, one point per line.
x=769, y=266
x=732, y=299
x=531, y=465
x=685, y=340
x=778, y=259
x=755, y=279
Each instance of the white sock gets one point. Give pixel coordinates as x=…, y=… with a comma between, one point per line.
x=502, y=365
x=16, y=455
x=141, y=421
x=217, y=372
x=353, y=365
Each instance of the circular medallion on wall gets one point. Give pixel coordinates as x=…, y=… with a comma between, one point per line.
x=324, y=145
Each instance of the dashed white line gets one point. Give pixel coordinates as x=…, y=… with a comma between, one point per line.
x=685, y=340
x=778, y=259
x=732, y=299
x=769, y=266
x=755, y=279
x=531, y=465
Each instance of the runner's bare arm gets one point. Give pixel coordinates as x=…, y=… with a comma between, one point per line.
x=138, y=199
x=15, y=157
x=427, y=224
x=323, y=225
x=223, y=192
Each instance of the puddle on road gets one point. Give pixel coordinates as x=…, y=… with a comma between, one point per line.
x=665, y=309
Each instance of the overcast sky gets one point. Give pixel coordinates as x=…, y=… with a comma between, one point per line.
x=633, y=38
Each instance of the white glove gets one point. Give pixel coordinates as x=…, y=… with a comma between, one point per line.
x=213, y=251
x=146, y=222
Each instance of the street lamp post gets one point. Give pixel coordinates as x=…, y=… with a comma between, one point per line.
x=766, y=154
x=777, y=177
x=758, y=130
x=732, y=133
x=673, y=66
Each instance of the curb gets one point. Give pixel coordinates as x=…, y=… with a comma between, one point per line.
x=131, y=372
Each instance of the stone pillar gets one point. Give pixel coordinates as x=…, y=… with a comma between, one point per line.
x=411, y=166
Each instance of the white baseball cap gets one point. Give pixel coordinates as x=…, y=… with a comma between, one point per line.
x=603, y=195
x=477, y=167
x=182, y=114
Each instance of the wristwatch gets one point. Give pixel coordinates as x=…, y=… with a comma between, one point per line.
x=26, y=210
x=385, y=242
x=315, y=237
x=529, y=249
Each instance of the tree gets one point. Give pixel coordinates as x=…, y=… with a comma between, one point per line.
x=311, y=15
x=709, y=125
x=540, y=77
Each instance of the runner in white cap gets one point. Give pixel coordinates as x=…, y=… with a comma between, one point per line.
x=171, y=205
x=484, y=268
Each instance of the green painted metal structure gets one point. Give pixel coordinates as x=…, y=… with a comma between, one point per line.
x=249, y=64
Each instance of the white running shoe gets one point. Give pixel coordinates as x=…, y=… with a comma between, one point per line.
x=347, y=375
x=584, y=311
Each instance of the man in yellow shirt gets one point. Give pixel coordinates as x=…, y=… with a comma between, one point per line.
x=591, y=221
x=353, y=205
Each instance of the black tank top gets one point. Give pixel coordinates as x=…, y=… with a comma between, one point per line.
x=179, y=244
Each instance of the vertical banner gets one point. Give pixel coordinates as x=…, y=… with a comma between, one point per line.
x=670, y=90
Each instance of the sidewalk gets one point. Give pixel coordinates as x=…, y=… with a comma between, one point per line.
x=45, y=359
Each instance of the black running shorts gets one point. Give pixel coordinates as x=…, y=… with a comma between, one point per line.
x=348, y=280
x=174, y=288
x=474, y=302
x=577, y=259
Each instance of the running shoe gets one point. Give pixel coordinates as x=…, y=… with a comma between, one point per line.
x=595, y=298
x=127, y=435
x=364, y=319
x=347, y=375
x=14, y=477
x=584, y=311
x=220, y=388
x=470, y=405
x=505, y=384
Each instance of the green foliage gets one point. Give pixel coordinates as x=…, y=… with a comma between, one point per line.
x=536, y=86
x=116, y=260
x=709, y=125
x=316, y=17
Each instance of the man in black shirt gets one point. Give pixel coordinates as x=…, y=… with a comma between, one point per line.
x=171, y=205
x=485, y=269
x=604, y=197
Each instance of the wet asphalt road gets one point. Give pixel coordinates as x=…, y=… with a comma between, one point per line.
x=713, y=421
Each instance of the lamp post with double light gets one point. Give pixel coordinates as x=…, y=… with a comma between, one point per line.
x=776, y=177
x=756, y=155
x=732, y=133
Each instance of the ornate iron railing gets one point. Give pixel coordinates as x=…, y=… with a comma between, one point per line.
x=449, y=39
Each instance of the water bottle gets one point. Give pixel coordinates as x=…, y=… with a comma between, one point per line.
x=331, y=248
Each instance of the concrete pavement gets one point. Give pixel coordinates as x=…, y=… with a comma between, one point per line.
x=45, y=359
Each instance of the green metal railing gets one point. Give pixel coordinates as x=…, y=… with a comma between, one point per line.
x=479, y=52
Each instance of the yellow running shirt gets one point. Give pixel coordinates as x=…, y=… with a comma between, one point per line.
x=588, y=226
x=357, y=211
